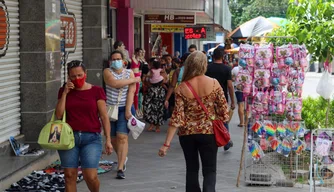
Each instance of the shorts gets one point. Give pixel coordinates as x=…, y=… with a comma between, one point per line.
x=121, y=125
x=87, y=151
x=240, y=96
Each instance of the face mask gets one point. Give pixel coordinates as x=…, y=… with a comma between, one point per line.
x=118, y=64
x=78, y=83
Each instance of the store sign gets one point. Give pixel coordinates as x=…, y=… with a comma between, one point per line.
x=68, y=33
x=195, y=32
x=210, y=34
x=114, y=3
x=165, y=19
x=156, y=28
x=4, y=28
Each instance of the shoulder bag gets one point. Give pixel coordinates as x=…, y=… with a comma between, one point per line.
x=57, y=134
x=221, y=134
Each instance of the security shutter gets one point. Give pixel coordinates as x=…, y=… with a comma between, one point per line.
x=73, y=7
x=9, y=70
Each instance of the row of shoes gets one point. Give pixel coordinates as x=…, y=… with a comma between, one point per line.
x=39, y=181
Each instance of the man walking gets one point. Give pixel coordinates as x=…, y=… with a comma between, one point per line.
x=222, y=73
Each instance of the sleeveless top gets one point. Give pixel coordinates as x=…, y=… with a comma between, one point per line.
x=112, y=93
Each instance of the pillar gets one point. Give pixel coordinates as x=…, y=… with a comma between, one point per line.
x=125, y=22
x=95, y=42
x=40, y=64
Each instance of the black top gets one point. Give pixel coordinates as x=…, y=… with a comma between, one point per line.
x=144, y=70
x=222, y=73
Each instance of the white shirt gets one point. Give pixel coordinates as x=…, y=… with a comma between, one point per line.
x=235, y=72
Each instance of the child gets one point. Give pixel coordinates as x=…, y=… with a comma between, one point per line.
x=156, y=70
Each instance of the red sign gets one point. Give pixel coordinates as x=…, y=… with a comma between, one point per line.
x=195, y=32
x=175, y=19
x=4, y=28
x=70, y=32
x=114, y=3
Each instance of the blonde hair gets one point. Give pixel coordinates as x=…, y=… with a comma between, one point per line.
x=195, y=65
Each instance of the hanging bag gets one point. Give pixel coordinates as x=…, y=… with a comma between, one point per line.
x=57, y=134
x=325, y=85
x=113, y=109
x=221, y=134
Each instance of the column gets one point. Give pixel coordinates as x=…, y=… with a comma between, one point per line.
x=95, y=42
x=40, y=63
x=125, y=22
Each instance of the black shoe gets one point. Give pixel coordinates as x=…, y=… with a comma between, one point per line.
x=124, y=166
x=120, y=174
x=228, y=146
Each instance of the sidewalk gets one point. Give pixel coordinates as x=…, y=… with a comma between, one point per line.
x=147, y=172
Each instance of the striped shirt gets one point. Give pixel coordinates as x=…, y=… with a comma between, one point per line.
x=112, y=93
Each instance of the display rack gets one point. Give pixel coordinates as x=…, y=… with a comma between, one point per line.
x=273, y=168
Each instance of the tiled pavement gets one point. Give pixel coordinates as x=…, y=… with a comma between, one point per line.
x=147, y=172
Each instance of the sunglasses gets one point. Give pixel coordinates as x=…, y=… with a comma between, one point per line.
x=74, y=63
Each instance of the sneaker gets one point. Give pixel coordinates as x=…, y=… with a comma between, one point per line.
x=124, y=166
x=228, y=146
x=120, y=174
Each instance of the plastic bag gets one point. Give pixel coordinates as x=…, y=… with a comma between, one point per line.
x=325, y=86
x=136, y=127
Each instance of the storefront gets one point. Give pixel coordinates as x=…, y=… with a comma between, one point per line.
x=167, y=20
x=9, y=70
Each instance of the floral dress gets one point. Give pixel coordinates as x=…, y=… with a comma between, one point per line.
x=153, y=104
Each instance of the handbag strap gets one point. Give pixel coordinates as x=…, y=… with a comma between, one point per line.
x=121, y=90
x=54, y=114
x=197, y=97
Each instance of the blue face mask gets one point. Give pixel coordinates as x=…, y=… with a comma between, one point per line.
x=117, y=64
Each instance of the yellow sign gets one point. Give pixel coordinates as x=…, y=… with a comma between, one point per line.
x=155, y=28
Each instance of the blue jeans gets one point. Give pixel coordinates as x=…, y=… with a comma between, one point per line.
x=87, y=150
x=121, y=125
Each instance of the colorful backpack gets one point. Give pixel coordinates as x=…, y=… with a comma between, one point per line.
x=244, y=81
x=284, y=55
x=264, y=56
x=246, y=55
x=261, y=78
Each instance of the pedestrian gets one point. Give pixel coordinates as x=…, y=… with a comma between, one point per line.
x=192, y=48
x=136, y=66
x=119, y=45
x=175, y=81
x=154, y=101
x=222, y=73
x=238, y=93
x=194, y=127
x=120, y=88
x=85, y=105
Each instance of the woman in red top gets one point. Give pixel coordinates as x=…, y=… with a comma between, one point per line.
x=136, y=67
x=85, y=104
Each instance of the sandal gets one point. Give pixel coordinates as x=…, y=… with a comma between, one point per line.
x=157, y=130
x=150, y=128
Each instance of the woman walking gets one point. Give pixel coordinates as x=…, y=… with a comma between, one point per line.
x=85, y=104
x=195, y=129
x=120, y=88
x=154, y=102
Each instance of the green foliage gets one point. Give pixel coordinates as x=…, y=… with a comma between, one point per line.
x=243, y=10
x=314, y=113
x=312, y=23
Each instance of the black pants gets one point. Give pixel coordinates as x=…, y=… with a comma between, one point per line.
x=205, y=146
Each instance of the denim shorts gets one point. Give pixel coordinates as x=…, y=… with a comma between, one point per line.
x=87, y=151
x=121, y=125
x=240, y=96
